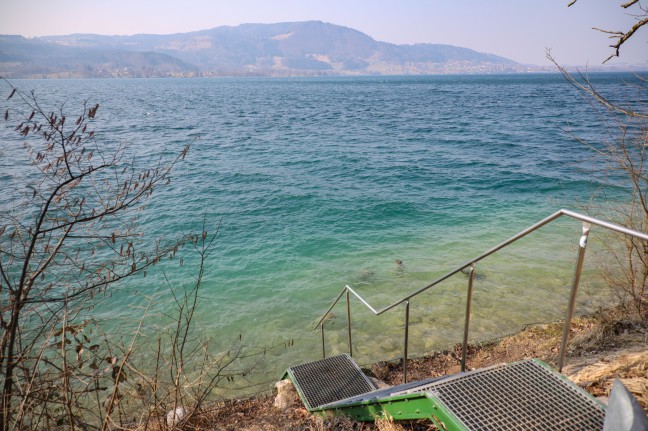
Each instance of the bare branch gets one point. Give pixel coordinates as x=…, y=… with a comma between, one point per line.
x=586, y=86
x=630, y=3
x=74, y=199
x=621, y=36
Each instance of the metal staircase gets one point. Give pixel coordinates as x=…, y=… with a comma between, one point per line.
x=526, y=395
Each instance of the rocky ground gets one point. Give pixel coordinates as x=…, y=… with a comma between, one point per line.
x=599, y=352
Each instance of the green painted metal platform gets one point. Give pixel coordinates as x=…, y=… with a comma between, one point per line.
x=525, y=395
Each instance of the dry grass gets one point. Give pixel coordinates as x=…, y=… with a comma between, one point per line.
x=387, y=424
x=630, y=367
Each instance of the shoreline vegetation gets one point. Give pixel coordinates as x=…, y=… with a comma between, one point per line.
x=603, y=347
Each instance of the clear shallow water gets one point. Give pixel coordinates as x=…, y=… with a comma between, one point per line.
x=318, y=183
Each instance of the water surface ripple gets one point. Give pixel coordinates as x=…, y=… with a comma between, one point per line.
x=322, y=182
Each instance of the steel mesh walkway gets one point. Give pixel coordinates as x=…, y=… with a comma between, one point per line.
x=329, y=380
x=526, y=395
x=519, y=396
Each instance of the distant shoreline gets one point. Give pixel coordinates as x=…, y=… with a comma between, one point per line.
x=540, y=70
x=293, y=49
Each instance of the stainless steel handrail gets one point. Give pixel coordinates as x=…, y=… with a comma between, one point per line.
x=587, y=222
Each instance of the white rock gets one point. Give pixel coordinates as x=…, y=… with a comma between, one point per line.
x=173, y=417
x=286, y=394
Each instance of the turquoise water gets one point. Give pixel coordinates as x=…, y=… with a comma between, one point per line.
x=321, y=182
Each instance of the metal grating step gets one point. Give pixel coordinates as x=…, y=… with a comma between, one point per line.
x=329, y=380
x=519, y=396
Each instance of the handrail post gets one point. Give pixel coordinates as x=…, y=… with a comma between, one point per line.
x=349, y=321
x=407, y=308
x=582, y=244
x=464, y=346
x=323, y=348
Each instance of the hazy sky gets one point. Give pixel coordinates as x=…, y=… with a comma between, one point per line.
x=517, y=29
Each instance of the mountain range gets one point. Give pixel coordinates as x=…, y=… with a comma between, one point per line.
x=283, y=49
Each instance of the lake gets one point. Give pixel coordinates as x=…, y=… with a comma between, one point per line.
x=315, y=183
